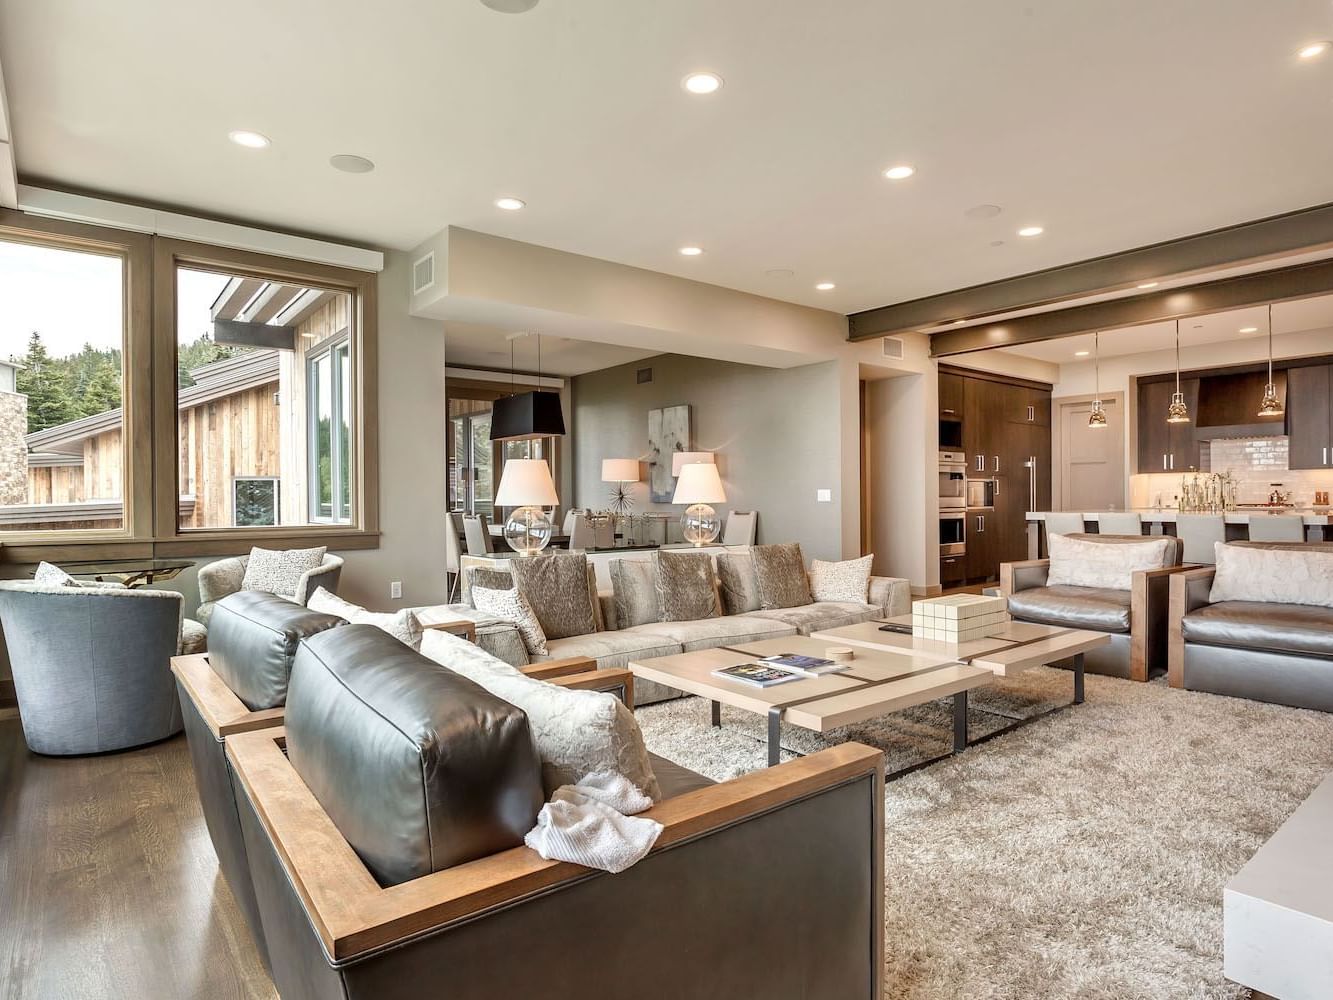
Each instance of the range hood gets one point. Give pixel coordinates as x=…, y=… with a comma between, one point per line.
x=1229, y=406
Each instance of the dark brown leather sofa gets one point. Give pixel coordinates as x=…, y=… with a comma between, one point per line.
x=1279, y=653
x=1136, y=619
x=769, y=885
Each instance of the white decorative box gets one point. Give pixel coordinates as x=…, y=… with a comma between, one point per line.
x=959, y=617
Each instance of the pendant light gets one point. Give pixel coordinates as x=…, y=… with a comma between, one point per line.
x=1271, y=405
x=527, y=415
x=1178, y=412
x=1097, y=418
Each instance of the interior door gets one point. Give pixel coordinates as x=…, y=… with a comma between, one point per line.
x=1091, y=474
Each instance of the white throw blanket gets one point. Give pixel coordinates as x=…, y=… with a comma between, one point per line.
x=591, y=824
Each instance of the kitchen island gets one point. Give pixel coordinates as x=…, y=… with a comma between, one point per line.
x=1161, y=521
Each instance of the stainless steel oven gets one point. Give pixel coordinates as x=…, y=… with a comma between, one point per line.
x=953, y=480
x=980, y=494
x=953, y=532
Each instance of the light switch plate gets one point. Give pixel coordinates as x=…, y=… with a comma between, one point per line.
x=396, y=591
x=824, y=496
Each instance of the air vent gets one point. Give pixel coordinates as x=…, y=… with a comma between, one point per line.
x=645, y=375
x=423, y=273
x=892, y=347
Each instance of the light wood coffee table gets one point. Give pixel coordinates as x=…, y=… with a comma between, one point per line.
x=876, y=683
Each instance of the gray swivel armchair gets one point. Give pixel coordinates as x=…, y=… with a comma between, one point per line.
x=92, y=665
x=219, y=579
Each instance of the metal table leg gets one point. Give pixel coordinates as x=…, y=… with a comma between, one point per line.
x=960, y=721
x=774, y=736
x=1078, y=679
x=717, y=713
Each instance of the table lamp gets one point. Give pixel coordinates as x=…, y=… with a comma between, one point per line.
x=526, y=485
x=620, y=471
x=699, y=486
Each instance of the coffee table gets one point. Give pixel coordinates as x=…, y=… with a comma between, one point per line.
x=876, y=683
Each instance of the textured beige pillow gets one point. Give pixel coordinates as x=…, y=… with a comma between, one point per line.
x=740, y=591
x=279, y=571
x=1076, y=562
x=402, y=625
x=779, y=575
x=556, y=587
x=634, y=583
x=686, y=586
x=847, y=581
x=576, y=732
x=509, y=605
x=1293, y=575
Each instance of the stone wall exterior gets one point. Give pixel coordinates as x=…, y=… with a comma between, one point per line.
x=13, y=448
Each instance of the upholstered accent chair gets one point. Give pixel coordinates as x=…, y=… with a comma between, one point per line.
x=225, y=576
x=91, y=664
x=1136, y=618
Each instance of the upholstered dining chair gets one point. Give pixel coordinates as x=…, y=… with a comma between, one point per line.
x=742, y=527
x=604, y=531
x=1064, y=524
x=581, y=534
x=570, y=515
x=92, y=665
x=1199, y=533
x=451, y=554
x=477, y=531
x=1120, y=523
x=226, y=576
x=1277, y=528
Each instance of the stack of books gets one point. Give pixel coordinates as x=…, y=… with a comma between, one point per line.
x=959, y=617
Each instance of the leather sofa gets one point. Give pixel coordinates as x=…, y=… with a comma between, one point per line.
x=377, y=875
x=1136, y=619
x=1279, y=653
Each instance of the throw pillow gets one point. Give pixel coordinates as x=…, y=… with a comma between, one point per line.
x=576, y=732
x=1295, y=575
x=280, y=571
x=686, y=587
x=402, y=625
x=1079, y=562
x=847, y=581
x=53, y=576
x=634, y=583
x=740, y=591
x=556, y=587
x=779, y=576
x=509, y=605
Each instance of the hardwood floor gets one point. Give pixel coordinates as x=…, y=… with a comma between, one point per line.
x=109, y=886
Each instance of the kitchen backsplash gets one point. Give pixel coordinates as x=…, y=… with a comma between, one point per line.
x=1255, y=462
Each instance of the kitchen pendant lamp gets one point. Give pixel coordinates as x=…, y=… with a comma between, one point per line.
x=1271, y=405
x=1097, y=418
x=1178, y=412
x=526, y=416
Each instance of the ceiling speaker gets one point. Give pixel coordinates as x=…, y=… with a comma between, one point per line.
x=510, y=6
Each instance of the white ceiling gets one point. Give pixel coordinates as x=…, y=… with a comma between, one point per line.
x=1217, y=328
x=1113, y=125
x=478, y=345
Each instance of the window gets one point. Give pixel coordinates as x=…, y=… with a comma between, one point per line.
x=329, y=378
x=255, y=502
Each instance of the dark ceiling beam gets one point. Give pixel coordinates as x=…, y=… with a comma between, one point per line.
x=1151, y=307
x=1266, y=239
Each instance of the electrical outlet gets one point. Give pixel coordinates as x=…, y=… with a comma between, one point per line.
x=824, y=496
x=396, y=591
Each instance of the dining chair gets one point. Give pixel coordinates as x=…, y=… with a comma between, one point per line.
x=604, y=532
x=1277, y=528
x=478, y=533
x=741, y=527
x=581, y=534
x=451, y=554
x=1120, y=523
x=1198, y=534
x=568, y=526
x=1064, y=524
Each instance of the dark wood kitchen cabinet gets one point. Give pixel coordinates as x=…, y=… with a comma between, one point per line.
x=1310, y=417
x=951, y=396
x=1165, y=447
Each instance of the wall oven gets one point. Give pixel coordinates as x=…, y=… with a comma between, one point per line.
x=953, y=480
x=953, y=532
x=980, y=494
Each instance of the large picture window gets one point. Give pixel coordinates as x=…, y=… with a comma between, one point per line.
x=329, y=377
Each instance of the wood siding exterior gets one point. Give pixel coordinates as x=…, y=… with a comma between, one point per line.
x=235, y=436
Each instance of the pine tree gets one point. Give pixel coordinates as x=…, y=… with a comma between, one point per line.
x=103, y=391
x=46, y=384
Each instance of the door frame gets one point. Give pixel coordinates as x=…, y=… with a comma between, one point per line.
x=1058, y=406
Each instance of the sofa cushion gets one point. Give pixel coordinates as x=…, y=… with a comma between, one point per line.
x=740, y=590
x=556, y=587
x=706, y=633
x=419, y=768
x=848, y=580
x=1298, y=574
x=779, y=574
x=194, y=637
x=576, y=732
x=686, y=586
x=402, y=625
x=634, y=584
x=252, y=639
x=1306, y=630
x=614, y=649
x=1096, y=608
x=1103, y=564
x=820, y=615
x=676, y=780
x=279, y=571
x=510, y=605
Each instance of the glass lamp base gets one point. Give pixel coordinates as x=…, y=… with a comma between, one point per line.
x=700, y=524
x=528, y=530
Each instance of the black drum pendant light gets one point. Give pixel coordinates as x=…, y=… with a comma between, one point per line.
x=525, y=416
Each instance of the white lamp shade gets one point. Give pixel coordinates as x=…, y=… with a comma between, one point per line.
x=620, y=470
x=680, y=459
x=699, y=483
x=526, y=482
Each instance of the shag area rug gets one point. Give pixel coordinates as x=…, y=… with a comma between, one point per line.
x=1081, y=856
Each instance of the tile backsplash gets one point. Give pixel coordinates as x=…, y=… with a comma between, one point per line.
x=1255, y=462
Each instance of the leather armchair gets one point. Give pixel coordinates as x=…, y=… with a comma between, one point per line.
x=223, y=577
x=1137, y=619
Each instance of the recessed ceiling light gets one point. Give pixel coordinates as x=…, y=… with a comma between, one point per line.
x=350, y=163
x=1081, y=354
x=248, y=139
x=1148, y=284
x=825, y=286
x=1249, y=329
x=509, y=204
x=510, y=6
x=900, y=172
x=979, y=212
x=1313, y=50
x=1031, y=231
x=691, y=251
x=702, y=83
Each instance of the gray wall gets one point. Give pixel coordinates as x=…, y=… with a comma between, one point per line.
x=775, y=431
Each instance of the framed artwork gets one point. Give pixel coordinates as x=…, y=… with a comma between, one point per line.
x=668, y=433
